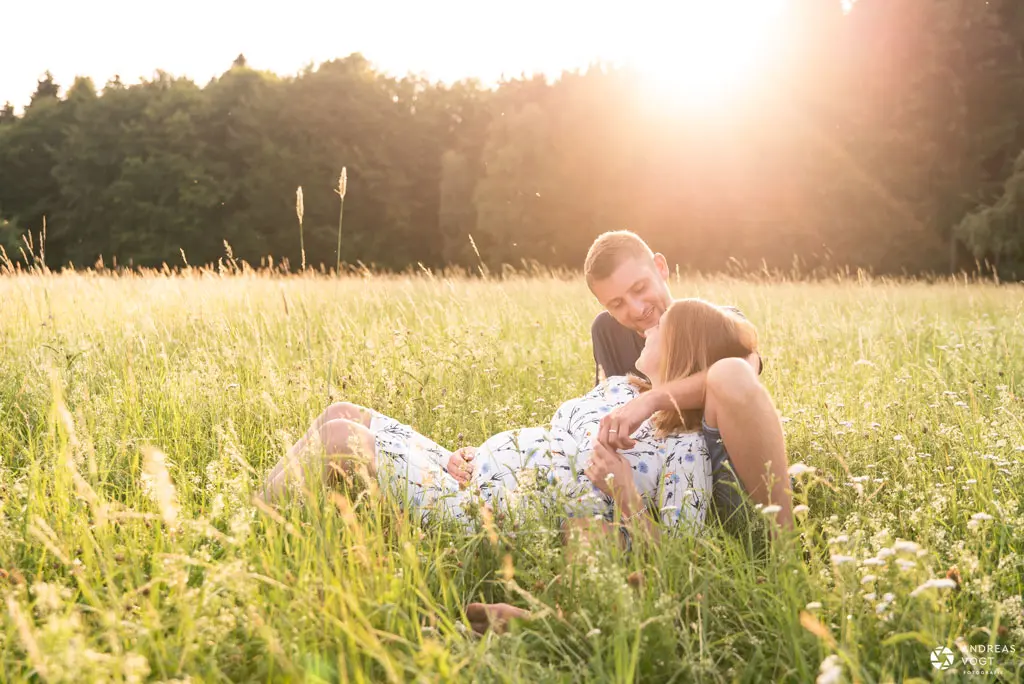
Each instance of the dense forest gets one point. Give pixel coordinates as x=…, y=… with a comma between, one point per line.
x=885, y=135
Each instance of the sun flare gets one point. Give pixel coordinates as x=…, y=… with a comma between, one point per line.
x=702, y=52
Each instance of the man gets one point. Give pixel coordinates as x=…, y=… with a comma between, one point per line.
x=745, y=439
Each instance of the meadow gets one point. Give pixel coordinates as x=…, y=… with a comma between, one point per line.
x=139, y=414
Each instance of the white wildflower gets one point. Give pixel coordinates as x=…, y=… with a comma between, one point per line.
x=943, y=583
x=800, y=469
x=903, y=546
x=831, y=672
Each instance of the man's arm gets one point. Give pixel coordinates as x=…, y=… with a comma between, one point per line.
x=677, y=395
x=682, y=394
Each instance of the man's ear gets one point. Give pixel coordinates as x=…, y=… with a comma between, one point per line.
x=661, y=264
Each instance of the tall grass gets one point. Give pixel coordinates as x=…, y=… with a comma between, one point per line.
x=139, y=414
x=300, y=210
x=342, y=189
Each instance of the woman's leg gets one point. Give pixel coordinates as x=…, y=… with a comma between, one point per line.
x=337, y=438
x=408, y=465
x=739, y=407
x=338, y=411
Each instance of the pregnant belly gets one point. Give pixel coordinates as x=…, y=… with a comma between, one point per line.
x=507, y=453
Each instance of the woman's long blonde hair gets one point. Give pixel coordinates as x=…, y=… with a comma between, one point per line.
x=694, y=335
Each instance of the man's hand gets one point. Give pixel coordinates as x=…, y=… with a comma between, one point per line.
x=460, y=465
x=612, y=474
x=617, y=426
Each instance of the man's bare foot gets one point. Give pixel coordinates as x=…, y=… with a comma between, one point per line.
x=493, y=616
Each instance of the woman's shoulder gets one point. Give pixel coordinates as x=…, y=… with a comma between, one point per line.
x=615, y=388
x=630, y=382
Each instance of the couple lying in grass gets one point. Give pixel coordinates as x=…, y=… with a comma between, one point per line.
x=665, y=475
x=678, y=429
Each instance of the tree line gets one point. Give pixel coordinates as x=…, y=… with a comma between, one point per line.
x=885, y=135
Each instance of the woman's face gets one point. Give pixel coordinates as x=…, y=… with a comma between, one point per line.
x=649, y=362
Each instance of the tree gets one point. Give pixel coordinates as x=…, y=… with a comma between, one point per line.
x=47, y=91
x=457, y=213
x=996, y=232
x=511, y=198
x=7, y=114
x=30, y=147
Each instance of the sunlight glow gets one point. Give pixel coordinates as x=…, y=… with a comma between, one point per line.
x=702, y=52
x=697, y=51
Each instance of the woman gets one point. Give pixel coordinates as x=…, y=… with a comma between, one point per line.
x=669, y=465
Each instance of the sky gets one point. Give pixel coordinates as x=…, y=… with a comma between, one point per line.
x=443, y=39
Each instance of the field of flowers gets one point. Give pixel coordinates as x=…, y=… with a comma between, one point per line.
x=139, y=414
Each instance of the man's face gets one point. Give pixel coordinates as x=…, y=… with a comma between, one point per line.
x=636, y=293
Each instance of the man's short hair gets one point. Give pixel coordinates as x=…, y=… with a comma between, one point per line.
x=611, y=249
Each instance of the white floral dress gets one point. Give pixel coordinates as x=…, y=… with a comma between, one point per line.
x=672, y=473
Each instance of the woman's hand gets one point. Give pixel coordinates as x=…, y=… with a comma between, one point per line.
x=460, y=465
x=612, y=474
x=623, y=421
